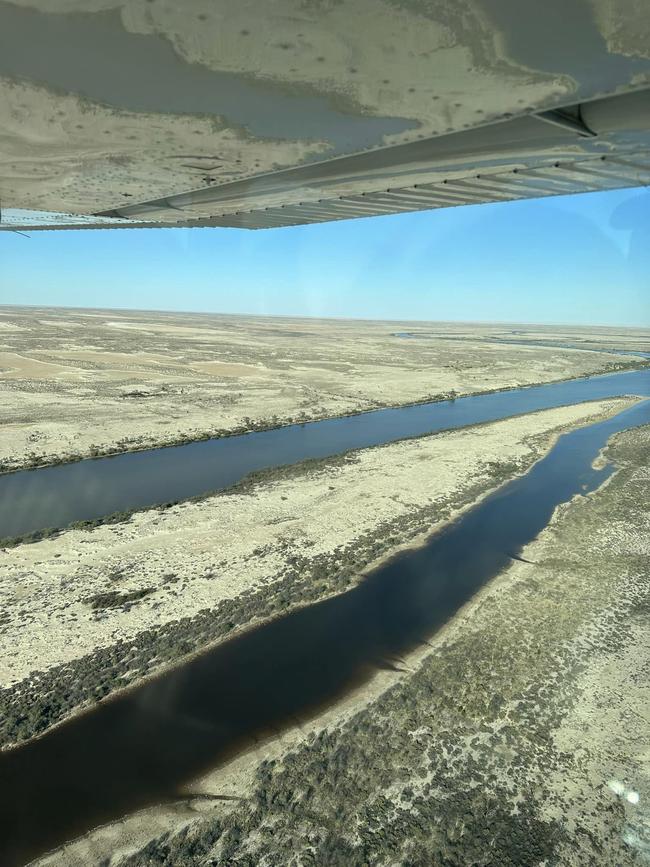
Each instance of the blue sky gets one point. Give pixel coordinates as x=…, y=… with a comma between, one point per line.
x=571, y=259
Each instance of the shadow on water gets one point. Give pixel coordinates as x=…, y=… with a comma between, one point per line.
x=145, y=745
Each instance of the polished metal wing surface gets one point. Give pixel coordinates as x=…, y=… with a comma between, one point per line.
x=127, y=113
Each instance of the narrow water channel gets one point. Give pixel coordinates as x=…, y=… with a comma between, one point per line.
x=146, y=745
x=519, y=341
x=56, y=496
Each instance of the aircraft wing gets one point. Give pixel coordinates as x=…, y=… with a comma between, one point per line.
x=140, y=113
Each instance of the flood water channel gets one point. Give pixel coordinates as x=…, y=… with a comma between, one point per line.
x=51, y=497
x=146, y=745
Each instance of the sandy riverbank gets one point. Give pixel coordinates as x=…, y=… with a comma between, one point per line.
x=504, y=715
x=77, y=383
x=86, y=590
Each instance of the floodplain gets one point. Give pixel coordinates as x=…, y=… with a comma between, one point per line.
x=81, y=383
x=486, y=717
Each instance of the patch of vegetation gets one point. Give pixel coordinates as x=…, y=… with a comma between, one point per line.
x=115, y=599
x=246, y=485
x=500, y=471
x=452, y=765
x=52, y=532
x=455, y=764
x=41, y=700
x=30, y=538
x=32, y=706
x=133, y=444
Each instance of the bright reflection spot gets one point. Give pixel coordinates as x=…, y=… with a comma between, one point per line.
x=623, y=792
x=616, y=787
x=23, y=219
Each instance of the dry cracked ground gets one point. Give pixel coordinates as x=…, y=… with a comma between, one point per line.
x=518, y=735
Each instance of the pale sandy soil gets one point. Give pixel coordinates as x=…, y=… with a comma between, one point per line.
x=592, y=337
x=194, y=555
x=529, y=708
x=540, y=700
x=75, y=383
x=607, y=732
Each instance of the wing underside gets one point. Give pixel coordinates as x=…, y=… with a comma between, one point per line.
x=135, y=117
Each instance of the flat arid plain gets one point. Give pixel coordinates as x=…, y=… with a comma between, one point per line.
x=80, y=383
x=515, y=731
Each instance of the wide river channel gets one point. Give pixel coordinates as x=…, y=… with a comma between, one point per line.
x=87, y=490
x=144, y=746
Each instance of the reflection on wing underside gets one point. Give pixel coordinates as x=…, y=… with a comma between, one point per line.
x=601, y=145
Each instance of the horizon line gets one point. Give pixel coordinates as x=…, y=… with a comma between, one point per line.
x=331, y=318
